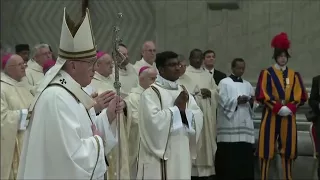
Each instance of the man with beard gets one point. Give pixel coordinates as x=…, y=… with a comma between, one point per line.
x=170, y=122
x=204, y=90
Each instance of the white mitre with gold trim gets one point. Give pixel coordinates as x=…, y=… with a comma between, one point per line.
x=76, y=44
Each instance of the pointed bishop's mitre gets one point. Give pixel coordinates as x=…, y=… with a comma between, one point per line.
x=77, y=41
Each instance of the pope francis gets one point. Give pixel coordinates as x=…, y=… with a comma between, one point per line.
x=65, y=139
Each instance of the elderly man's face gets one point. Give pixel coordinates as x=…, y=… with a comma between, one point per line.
x=105, y=65
x=84, y=71
x=149, y=52
x=42, y=55
x=147, y=77
x=16, y=67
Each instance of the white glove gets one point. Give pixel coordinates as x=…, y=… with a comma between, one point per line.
x=284, y=111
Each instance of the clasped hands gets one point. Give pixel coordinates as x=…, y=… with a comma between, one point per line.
x=109, y=100
x=244, y=99
x=284, y=111
x=205, y=93
x=181, y=101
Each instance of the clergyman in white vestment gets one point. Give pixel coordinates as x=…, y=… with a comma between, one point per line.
x=235, y=132
x=170, y=123
x=15, y=100
x=65, y=139
x=34, y=72
x=148, y=54
x=102, y=81
x=147, y=76
x=103, y=78
x=205, y=92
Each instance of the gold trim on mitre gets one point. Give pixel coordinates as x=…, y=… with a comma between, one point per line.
x=76, y=41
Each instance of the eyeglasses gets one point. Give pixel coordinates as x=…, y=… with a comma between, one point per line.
x=91, y=63
x=151, y=50
x=17, y=65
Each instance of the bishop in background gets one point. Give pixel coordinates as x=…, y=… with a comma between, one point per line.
x=65, y=139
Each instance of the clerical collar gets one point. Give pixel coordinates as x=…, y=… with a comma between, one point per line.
x=283, y=68
x=164, y=83
x=235, y=78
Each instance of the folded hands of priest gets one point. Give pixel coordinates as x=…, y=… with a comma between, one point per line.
x=182, y=100
x=102, y=100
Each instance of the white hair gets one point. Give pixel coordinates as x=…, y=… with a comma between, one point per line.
x=148, y=71
x=37, y=47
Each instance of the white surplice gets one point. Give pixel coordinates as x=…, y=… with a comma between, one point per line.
x=164, y=136
x=234, y=122
x=34, y=72
x=15, y=100
x=59, y=142
x=194, y=80
x=132, y=101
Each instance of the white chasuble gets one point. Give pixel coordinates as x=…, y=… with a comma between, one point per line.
x=102, y=84
x=34, y=72
x=59, y=142
x=128, y=78
x=15, y=100
x=139, y=64
x=167, y=145
x=194, y=80
x=235, y=123
x=132, y=128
